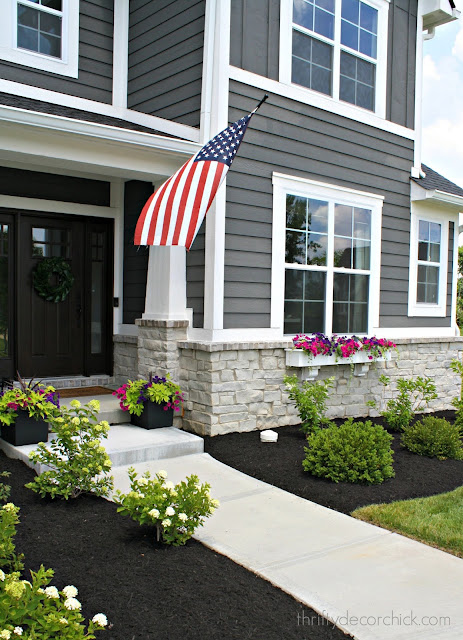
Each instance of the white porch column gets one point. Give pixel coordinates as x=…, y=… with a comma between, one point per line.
x=166, y=284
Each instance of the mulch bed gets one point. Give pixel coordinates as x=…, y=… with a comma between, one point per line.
x=280, y=464
x=149, y=591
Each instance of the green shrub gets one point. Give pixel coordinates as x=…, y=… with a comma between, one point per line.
x=310, y=398
x=457, y=367
x=435, y=438
x=77, y=461
x=413, y=395
x=32, y=608
x=352, y=452
x=5, y=489
x=175, y=510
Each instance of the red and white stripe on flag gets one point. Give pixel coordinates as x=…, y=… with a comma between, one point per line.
x=174, y=213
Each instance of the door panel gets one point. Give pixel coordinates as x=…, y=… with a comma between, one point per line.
x=7, y=242
x=50, y=334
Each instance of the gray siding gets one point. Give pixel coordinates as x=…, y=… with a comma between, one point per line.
x=48, y=186
x=195, y=278
x=95, y=58
x=295, y=139
x=135, y=258
x=255, y=47
x=166, y=41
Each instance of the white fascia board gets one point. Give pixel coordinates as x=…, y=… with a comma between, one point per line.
x=419, y=194
x=107, y=132
x=320, y=101
x=64, y=100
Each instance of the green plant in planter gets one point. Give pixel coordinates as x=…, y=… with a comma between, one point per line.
x=175, y=511
x=413, y=396
x=77, y=461
x=33, y=608
x=310, y=397
x=351, y=452
x=161, y=390
x=39, y=401
x=434, y=438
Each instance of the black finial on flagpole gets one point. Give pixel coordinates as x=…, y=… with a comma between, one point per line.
x=261, y=103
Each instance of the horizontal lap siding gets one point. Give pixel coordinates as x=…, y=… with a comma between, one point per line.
x=95, y=58
x=166, y=41
x=195, y=278
x=298, y=140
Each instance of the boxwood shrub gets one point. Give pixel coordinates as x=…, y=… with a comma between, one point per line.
x=351, y=452
x=435, y=438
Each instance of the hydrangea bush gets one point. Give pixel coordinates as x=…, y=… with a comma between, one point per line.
x=310, y=397
x=33, y=609
x=77, y=461
x=343, y=347
x=175, y=510
x=134, y=394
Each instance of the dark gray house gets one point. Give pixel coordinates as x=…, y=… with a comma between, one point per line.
x=327, y=222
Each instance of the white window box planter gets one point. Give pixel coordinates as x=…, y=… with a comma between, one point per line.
x=298, y=358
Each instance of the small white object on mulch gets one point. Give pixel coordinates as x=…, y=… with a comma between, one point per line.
x=268, y=436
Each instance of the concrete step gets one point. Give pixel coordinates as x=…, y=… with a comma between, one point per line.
x=127, y=444
x=109, y=408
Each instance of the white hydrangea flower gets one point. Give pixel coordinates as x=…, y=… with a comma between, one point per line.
x=170, y=511
x=100, y=619
x=18, y=631
x=72, y=604
x=70, y=591
x=75, y=420
x=215, y=503
x=183, y=517
x=162, y=474
x=5, y=634
x=94, y=404
x=52, y=592
x=169, y=485
x=9, y=506
x=75, y=404
x=2, y=575
x=142, y=482
x=173, y=493
x=63, y=621
x=166, y=522
x=154, y=513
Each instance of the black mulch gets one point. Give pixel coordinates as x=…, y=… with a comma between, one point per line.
x=280, y=464
x=149, y=591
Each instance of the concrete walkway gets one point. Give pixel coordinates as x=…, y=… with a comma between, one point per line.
x=374, y=584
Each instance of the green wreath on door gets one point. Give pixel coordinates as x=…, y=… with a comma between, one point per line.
x=41, y=279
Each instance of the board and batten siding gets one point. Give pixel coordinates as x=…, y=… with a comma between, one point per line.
x=255, y=28
x=299, y=140
x=94, y=82
x=166, y=41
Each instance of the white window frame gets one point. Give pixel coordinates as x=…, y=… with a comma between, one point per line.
x=67, y=65
x=285, y=184
x=424, y=309
x=319, y=99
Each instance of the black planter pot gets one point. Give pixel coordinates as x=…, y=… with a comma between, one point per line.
x=154, y=416
x=25, y=430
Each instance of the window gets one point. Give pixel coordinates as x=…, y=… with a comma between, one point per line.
x=336, y=48
x=43, y=34
x=330, y=259
x=428, y=266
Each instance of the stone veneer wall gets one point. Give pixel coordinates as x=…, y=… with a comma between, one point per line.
x=125, y=358
x=239, y=386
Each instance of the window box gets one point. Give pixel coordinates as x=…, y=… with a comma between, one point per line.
x=360, y=361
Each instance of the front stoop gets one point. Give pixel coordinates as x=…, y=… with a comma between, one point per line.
x=127, y=444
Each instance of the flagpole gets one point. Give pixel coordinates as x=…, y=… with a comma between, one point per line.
x=260, y=103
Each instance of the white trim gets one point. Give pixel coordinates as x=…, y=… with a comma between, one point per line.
x=56, y=206
x=283, y=184
x=420, y=309
x=286, y=28
x=415, y=332
x=453, y=307
x=318, y=100
x=107, y=132
x=215, y=221
x=68, y=65
x=418, y=93
x=208, y=71
x=64, y=100
x=120, y=53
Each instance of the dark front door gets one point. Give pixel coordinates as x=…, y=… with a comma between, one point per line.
x=71, y=336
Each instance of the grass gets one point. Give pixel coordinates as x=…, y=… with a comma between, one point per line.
x=436, y=520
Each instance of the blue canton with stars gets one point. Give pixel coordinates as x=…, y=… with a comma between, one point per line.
x=223, y=147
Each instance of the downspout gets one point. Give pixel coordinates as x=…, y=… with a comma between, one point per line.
x=416, y=169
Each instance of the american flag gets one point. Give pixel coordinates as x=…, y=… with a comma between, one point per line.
x=175, y=211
